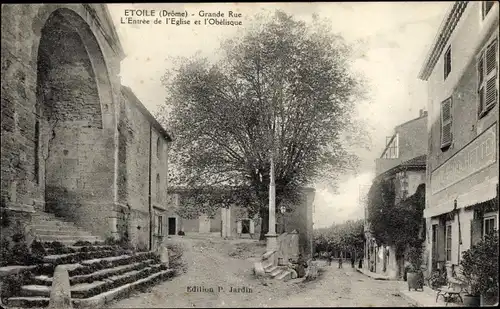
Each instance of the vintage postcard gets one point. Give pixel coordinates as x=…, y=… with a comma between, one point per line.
x=287, y=154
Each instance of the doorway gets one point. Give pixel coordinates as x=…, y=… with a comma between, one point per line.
x=172, y=225
x=245, y=226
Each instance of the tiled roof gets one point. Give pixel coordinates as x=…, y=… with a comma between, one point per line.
x=417, y=161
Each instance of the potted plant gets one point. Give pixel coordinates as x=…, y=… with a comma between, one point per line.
x=479, y=271
x=414, y=273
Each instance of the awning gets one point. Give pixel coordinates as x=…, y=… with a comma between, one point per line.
x=482, y=192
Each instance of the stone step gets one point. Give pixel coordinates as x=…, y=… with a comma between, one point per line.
x=68, y=232
x=97, y=275
x=52, y=224
x=276, y=272
x=67, y=258
x=85, y=290
x=67, y=240
x=85, y=248
x=270, y=268
x=101, y=299
x=89, y=266
x=97, y=301
x=285, y=275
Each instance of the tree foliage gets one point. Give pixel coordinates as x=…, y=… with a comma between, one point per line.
x=396, y=224
x=480, y=266
x=282, y=86
x=347, y=236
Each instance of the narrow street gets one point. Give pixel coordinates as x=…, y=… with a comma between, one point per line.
x=214, y=263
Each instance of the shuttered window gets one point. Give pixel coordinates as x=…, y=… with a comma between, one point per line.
x=487, y=67
x=446, y=123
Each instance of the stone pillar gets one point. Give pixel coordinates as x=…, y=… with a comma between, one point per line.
x=272, y=243
x=252, y=227
x=226, y=222
x=239, y=227
x=294, y=244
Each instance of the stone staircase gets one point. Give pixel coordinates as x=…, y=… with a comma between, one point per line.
x=48, y=228
x=278, y=272
x=97, y=275
x=269, y=268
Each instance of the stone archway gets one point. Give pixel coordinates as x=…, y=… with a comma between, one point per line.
x=74, y=161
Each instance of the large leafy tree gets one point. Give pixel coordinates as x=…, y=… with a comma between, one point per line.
x=282, y=86
x=346, y=236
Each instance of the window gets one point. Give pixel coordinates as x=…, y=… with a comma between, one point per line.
x=158, y=148
x=486, y=7
x=447, y=62
x=159, y=226
x=446, y=123
x=487, y=74
x=447, y=246
x=391, y=151
x=489, y=225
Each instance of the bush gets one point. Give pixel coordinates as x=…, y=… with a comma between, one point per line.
x=5, y=253
x=11, y=284
x=414, y=256
x=82, y=243
x=480, y=266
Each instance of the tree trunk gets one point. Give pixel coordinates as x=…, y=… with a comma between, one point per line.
x=264, y=225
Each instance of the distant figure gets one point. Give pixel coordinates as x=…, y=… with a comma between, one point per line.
x=360, y=265
x=330, y=258
x=353, y=260
x=340, y=262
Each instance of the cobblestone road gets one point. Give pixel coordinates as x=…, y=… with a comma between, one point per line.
x=210, y=266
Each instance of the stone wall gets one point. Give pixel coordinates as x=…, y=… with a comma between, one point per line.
x=70, y=142
x=142, y=169
x=21, y=38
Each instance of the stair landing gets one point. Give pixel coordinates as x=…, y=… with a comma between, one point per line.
x=49, y=228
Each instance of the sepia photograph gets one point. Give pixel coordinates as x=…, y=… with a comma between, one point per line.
x=249, y=154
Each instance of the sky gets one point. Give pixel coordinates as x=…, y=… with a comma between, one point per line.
x=393, y=40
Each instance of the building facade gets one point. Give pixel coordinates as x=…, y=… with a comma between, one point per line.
x=74, y=142
x=236, y=222
x=461, y=71
x=403, y=165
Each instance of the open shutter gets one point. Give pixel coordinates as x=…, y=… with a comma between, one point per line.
x=491, y=74
x=446, y=123
x=480, y=91
x=476, y=231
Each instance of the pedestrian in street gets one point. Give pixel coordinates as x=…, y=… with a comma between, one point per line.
x=330, y=258
x=340, y=261
x=353, y=260
x=360, y=265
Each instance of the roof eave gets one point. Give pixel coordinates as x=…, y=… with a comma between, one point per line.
x=447, y=26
